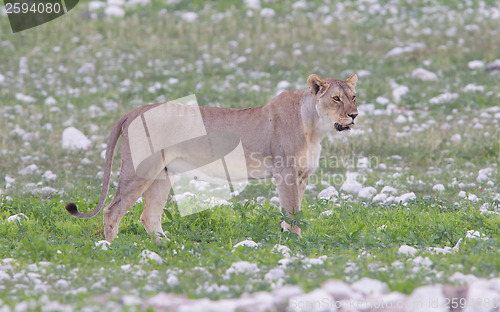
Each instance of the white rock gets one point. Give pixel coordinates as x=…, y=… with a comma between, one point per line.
x=380, y=198
x=314, y=261
x=310, y=302
x=114, y=11
x=407, y=250
x=135, y=2
x=367, y=192
x=9, y=179
x=475, y=64
x=459, y=277
x=86, y=69
x=456, y=138
x=173, y=281
x=401, y=119
x=49, y=176
x=96, y=5
x=473, y=88
x=110, y=106
x=18, y=217
x=29, y=170
x=478, y=294
x=424, y=75
x=116, y=2
x=484, y=174
x=129, y=300
x=282, y=85
x=25, y=98
x=246, y=243
x=438, y=188
x=103, y=244
x=363, y=162
x=370, y=287
x=326, y=213
x=148, y=255
x=284, y=250
x=242, y=267
x=328, y=193
x=50, y=101
x=430, y=297
x=382, y=100
x=471, y=234
x=443, y=98
x=340, y=290
x=274, y=274
x=351, y=185
x=451, y=32
x=299, y=5
x=252, y=4
x=389, y=190
x=189, y=16
x=74, y=139
x=267, y=12
x=365, y=110
x=62, y=284
x=439, y=250
x=410, y=48
x=473, y=197
x=399, y=92
x=405, y=197
x=44, y=191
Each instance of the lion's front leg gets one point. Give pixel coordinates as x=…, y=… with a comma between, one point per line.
x=290, y=190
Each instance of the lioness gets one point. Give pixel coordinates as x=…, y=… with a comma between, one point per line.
x=280, y=140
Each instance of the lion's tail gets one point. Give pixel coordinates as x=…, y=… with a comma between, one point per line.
x=110, y=148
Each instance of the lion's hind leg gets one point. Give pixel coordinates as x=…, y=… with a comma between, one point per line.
x=155, y=198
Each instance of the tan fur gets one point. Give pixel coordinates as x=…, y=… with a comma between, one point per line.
x=280, y=140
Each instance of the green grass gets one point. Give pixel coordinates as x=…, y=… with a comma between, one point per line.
x=351, y=234
x=237, y=60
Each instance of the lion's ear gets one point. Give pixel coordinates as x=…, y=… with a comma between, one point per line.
x=317, y=85
x=351, y=81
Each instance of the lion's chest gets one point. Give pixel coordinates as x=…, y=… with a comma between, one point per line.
x=309, y=159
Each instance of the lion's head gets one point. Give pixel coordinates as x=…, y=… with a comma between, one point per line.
x=336, y=100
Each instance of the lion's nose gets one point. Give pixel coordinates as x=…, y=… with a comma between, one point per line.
x=352, y=115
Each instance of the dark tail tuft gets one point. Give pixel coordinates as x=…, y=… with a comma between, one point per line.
x=71, y=208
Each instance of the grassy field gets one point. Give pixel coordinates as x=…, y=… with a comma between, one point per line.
x=436, y=137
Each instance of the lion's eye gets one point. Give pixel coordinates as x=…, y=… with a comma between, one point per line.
x=336, y=98
x=354, y=98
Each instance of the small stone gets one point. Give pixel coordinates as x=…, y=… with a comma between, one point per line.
x=389, y=190
x=379, y=198
x=475, y=64
x=405, y=197
x=328, y=193
x=407, y=250
x=424, y=75
x=438, y=188
x=367, y=192
x=148, y=255
x=246, y=243
x=74, y=139
x=370, y=287
x=18, y=217
x=103, y=245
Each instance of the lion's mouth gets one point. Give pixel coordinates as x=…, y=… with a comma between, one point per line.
x=340, y=127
